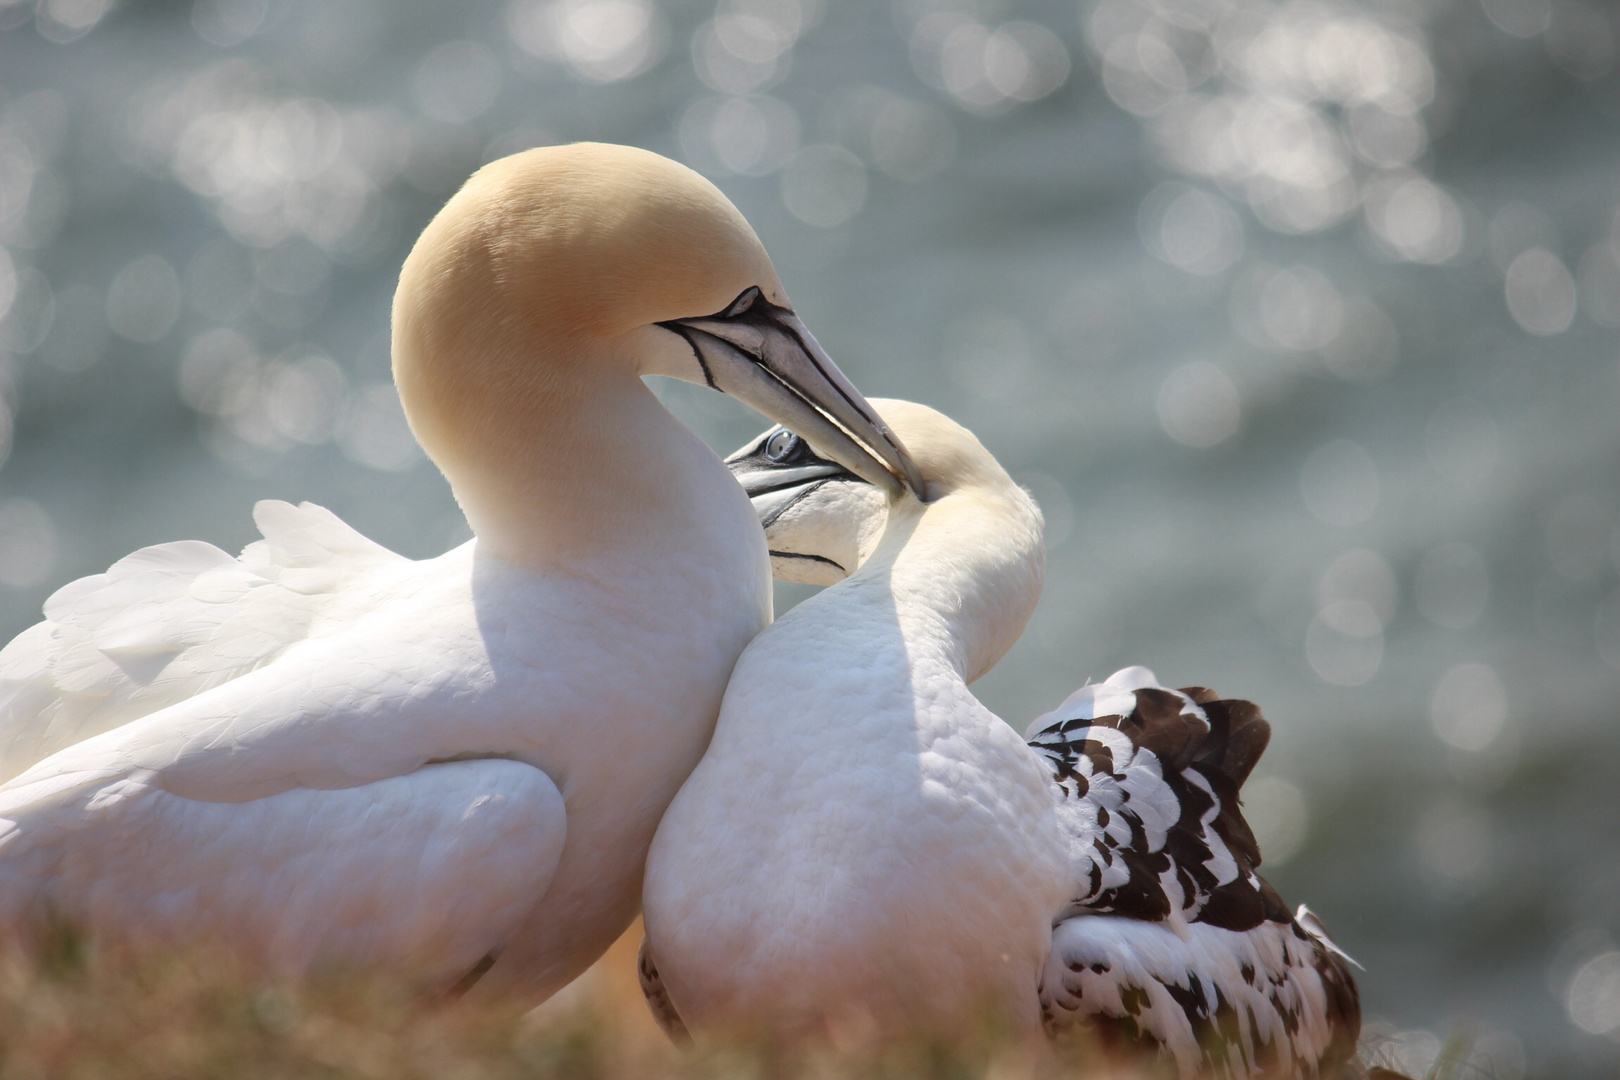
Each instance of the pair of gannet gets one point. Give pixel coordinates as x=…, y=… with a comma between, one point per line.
x=327, y=754
x=865, y=846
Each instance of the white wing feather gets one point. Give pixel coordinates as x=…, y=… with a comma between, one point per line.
x=427, y=872
x=358, y=801
x=172, y=621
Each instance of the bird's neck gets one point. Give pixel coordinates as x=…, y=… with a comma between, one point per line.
x=576, y=467
x=963, y=574
x=887, y=653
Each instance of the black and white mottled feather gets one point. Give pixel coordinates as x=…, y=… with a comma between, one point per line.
x=1172, y=940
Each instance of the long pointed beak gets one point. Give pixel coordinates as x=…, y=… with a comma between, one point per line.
x=764, y=356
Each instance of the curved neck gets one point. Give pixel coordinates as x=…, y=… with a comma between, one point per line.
x=563, y=460
x=965, y=573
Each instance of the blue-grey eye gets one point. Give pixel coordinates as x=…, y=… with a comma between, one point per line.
x=780, y=447
x=742, y=303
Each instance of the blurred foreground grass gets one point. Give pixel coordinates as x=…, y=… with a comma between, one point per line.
x=71, y=1014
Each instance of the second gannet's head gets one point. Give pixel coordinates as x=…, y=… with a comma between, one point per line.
x=562, y=266
x=822, y=521
x=974, y=546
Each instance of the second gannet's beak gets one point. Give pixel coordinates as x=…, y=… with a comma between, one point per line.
x=764, y=356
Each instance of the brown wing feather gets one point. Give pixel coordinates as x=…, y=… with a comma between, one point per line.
x=1203, y=751
x=1158, y=815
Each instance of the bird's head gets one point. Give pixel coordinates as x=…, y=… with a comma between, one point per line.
x=971, y=548
x=560, y=267
x=822, y=521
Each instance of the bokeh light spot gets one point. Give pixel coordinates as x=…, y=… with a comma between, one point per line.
x=986, y=69
x=1300, y=309
x=27, y=543
x=1419, y=220
x=304, y=398
x=64, y=21
x=600, y=40
x=228, y=22
x=1278, y=813
x=457, y=82
x=824, y=186
x=375, y=433
x=1198, y=406
x=1345, y=643
x=144, y=300
x=1192, y=230
x=1593, y=1000
x=1540, y=293
x=1580, y=39
x=1469, y=707
x=1360, y=575
x=733, y=136
x=1521, y=18
x=910, y=141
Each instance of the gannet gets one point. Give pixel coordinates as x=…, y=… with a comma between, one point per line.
x=328, y=754
x=865, y=847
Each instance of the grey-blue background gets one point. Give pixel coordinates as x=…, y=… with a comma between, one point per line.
x=1298, y=318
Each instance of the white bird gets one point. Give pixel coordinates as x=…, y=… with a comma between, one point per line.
x=864, y=846
x=328, y=754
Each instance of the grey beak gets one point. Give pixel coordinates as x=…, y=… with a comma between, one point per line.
x=764, y=356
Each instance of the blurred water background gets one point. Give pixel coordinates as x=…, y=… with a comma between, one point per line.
x=1298, y=318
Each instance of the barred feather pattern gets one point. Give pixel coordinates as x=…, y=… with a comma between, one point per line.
x=1172, y=940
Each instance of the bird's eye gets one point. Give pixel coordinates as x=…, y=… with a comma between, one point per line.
x=742, y=303
x=780, y=447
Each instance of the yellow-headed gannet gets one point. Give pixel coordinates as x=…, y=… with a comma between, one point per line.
x=327, y=754
x=865, y=847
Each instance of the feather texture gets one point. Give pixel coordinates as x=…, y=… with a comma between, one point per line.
x=1172, y=939
x=259, y=875
x=171, y=621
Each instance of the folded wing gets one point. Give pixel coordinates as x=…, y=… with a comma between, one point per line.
x=1171, y=938
x=171, y=621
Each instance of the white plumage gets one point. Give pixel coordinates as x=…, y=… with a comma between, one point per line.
x=327, y=754
x=864, y=840
x=173, y=620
